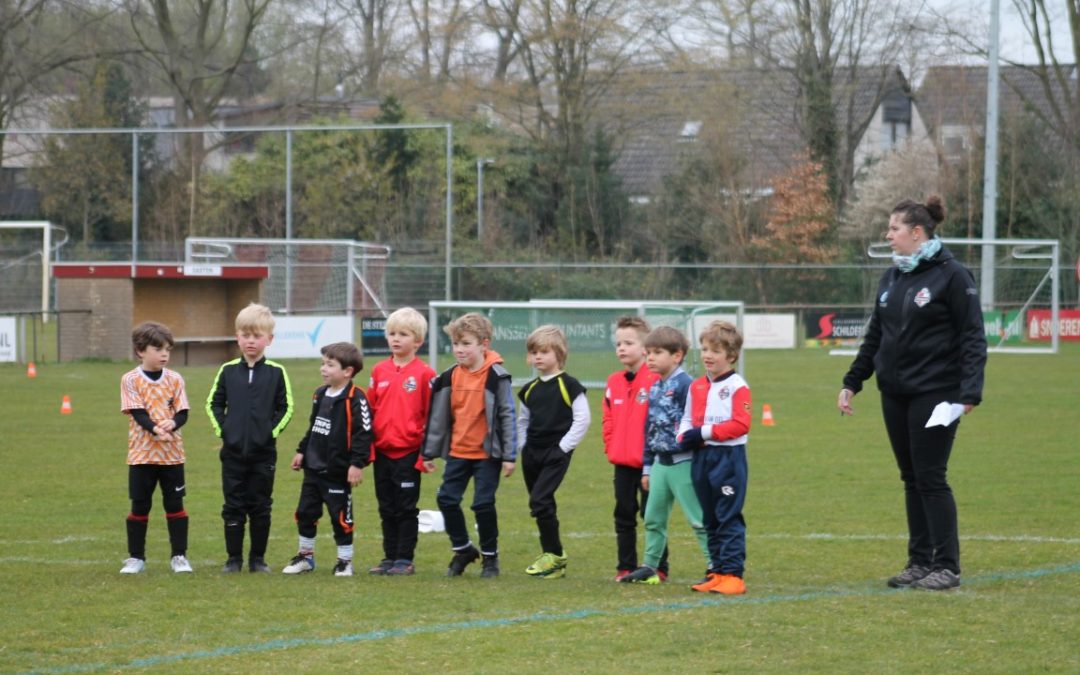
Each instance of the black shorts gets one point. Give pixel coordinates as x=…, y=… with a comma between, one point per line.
x=143, y=478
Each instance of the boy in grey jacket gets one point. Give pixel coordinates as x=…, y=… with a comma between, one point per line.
x=472, y=426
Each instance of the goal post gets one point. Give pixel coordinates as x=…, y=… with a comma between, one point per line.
x=23, y=254
x=589, y=326
x=1023, y=314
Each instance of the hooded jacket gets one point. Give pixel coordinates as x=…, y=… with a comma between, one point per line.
x=500, y=442
x=926, y=333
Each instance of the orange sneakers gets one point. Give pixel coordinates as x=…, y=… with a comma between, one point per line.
x=710, y=580
x=729, y=584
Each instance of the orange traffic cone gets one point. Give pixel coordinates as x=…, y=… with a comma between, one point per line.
x=65, y=407
x=766, y=416
x=31, y=370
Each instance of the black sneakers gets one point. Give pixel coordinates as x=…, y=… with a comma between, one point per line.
x=491, y=567
x=232, y=565
x=258, y=565
x=461, y=560
x=938, y=580
x=908, y=576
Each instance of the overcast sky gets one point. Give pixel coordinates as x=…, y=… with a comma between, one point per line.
x=1015, y=43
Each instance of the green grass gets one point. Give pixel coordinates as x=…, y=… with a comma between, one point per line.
x=825, y=522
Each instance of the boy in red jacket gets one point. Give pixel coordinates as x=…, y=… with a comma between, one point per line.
x=626, y=409
x=400, y=396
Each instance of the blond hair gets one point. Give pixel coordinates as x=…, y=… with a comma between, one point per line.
x=722, y=336
x=549, y=337
x=472, y=323
x=410, y=320
x=255, y=318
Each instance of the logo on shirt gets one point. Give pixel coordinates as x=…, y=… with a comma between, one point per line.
x=727, y=490
x=642, y=396
x=884, y=297
x=922, y=297
x=321, y=426
x=409, y=384
x=723, y=393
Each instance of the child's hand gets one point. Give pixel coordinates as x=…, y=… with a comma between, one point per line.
x=356, y=476
x=297, y=461
x=167, y=425
x=691, y=439
x=645, y=483
x=508, y=468
x=429, y=466
x=162, y=434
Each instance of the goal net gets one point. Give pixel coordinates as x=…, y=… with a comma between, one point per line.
x=306, y=276
x=1019, y=288
x=25, y=250
x=589, y=326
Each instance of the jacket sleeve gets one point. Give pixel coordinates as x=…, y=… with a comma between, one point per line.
x=215, y=402
x=283, y=404
x=506, y=418
x=361, y=449
x=863, y=366
x=606, y=421
x=302, y=446
x=373, y=390
x=967, y=321
x=739, y=424
x=438, y=420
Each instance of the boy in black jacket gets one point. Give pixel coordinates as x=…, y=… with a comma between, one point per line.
x=249, y=405
x=333, y=454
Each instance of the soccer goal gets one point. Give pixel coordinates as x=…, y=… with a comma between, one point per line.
x=25, y=252
x=1021, y=310
x=589, y=326
x=305, y=275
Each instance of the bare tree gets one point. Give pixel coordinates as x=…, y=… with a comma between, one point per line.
x=501, y=17
x=373, y=21
x=1060, y=109
x=439, y=27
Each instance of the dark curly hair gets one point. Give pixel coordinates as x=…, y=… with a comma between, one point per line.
x=928, y=215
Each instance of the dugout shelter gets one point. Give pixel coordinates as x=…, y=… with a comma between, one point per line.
x=101, y=302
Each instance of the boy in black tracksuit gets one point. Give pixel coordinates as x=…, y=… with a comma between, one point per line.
x=333, y=453
x=250, y=404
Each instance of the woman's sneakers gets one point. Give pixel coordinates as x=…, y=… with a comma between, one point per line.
x=133, y=566
x=938, y=580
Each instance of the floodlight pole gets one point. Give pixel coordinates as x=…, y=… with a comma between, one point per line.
x=449, y=208
x=134, y=202
x=288, y=221
x=986, y=290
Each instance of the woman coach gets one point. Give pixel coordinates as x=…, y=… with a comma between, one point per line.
x=925, y=342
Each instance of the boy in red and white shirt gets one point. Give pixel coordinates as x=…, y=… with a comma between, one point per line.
x=400, y=396
x=714, y=425
x=156, y=405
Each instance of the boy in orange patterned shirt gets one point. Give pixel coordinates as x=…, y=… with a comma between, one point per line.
x=153, y=398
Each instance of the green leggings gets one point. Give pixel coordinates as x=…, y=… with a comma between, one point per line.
x=666, y=485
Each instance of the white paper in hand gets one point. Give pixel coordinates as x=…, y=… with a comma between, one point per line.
x=944, y=414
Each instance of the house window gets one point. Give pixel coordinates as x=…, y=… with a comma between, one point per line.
x=690, y=131
x=954, y=141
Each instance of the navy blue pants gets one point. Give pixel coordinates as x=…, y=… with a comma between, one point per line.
x=485, y=476
x=719, y=473
x=922, y=456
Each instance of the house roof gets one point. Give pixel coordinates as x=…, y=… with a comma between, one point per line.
x=956, y=95
x=755, y=111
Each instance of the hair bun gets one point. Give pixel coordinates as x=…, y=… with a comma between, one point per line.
x=935, y=208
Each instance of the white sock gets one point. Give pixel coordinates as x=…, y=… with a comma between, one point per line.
x=307, y=545
x=345, y=552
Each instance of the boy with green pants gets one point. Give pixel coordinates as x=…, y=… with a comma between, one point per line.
x=666, y=471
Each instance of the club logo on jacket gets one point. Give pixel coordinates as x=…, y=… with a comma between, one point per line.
x=642, y=396
x=722, y=393
x=410, y=384
x=922, y=297
x=882, y=301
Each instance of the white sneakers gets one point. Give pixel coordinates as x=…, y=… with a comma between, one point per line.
x=178, y=563
x=300, y=564
x=343, y=568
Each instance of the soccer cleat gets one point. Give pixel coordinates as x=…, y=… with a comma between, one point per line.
x=548, y=565
x=258, y=565
x=490, y=567
x=642, y=575
x=622, y=573
x=300, y=564
x=908, y=576
x=232, y=565
x=135, y=566
x=343, y=568
x=382, y=568
x=401, y=568
x=938, y=580
x=710, y=580
x=663, y=575
x=461, y=560
x=180, y=563
x=729, y=584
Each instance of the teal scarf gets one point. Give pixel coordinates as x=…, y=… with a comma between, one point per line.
x=927, y=250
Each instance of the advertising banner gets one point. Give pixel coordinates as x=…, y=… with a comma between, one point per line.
x=8, y=343
x=1038, y=324
x=373, y=337
x=1007, y=325
x=301, y=337
x=833, y=329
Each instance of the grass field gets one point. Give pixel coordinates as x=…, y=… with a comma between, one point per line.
x=824, y=514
